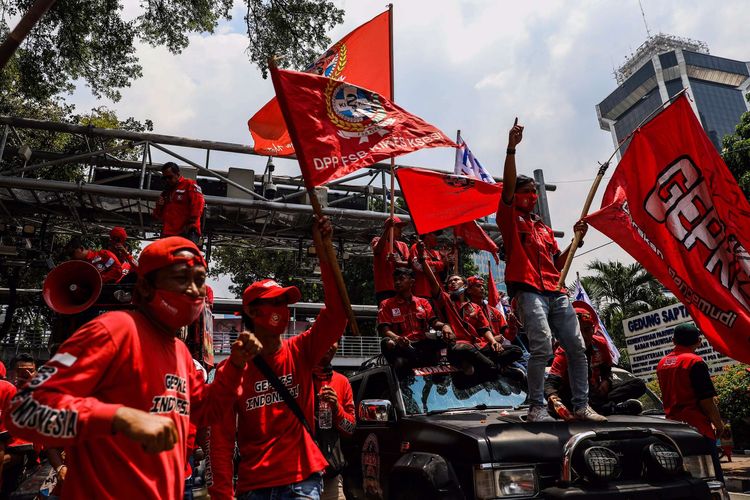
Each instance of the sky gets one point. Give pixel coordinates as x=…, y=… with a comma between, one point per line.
x=472, y=65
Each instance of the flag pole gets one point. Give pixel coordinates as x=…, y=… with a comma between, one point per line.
x=577, y=236
x=393, y=160
x=330, y=252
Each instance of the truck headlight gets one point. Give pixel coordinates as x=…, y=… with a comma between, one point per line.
x=490, y=482
x=699, y=466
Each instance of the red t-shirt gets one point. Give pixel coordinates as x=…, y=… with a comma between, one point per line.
x=181, y=204
x=106, y=263
x=530, y=250
x=118, y=359
x=344, y=419
x=7, y=391
x=410, y=319
x=276, y=449
x=678, y=394
x=599, y=357
x=467, y=320
x=382, y=268
x=496, y=318
x=434, y=259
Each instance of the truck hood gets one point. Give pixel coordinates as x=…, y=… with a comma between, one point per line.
x=511, y=439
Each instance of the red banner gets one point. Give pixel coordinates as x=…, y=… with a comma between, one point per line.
x=363, y=57
x=474, y=236
x=338, y=128
x=438, y=200
x=493, y=298
x=673, y=205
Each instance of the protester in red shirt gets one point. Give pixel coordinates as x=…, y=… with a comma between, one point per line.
x=180, y=205
x=117, y=238
x=533, y=260
x=687, y=390
x=386, y=260
x=607, y=397
x=403, y=322
x=104, y=261
x=334, y=389
x=279, y=458
x=433, y=258
x=120, y=393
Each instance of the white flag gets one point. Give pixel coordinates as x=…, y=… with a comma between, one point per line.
x=580, y=294
x=467, y=164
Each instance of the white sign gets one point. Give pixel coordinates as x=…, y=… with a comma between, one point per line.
x=648, y=337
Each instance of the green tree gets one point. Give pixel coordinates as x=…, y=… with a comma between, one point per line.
x=734, y=401
x=736, y=152
x=620, y=291
x=92, y=41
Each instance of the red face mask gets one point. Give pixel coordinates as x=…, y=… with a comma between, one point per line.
x=272, y=318
x=526, y=201
x=175, y=309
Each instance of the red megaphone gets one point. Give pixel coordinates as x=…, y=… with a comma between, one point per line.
x=72, y=287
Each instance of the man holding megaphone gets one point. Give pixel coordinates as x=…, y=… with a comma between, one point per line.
x=121, y=392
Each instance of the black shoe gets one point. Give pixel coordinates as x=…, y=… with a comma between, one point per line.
x=629, y=407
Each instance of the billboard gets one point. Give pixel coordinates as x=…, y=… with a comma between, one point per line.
x=648, y=338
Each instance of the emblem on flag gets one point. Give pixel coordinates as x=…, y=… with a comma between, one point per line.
x=331, y=64
x=355, y=111
x=458, y=181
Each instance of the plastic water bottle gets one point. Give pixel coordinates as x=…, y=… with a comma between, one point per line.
x=561, y=410
x=325, y=415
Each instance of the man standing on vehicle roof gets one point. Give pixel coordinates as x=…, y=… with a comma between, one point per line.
x=533, y=262
x=687, y=390
x=385, y=259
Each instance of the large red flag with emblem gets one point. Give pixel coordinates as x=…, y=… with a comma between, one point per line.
x=438, y=200
x=337, y=128
x=363, y=57
x=673, y=205
x=474, y=236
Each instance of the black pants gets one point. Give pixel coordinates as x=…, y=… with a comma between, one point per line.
x=420, y=353
x=462, y=353
x=507, y=356
x=620, y=392
x=715, y=458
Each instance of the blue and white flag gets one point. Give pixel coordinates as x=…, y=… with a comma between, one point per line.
x=580, y=294
x=467, y=164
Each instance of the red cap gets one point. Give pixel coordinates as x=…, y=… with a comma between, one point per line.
x=269, y=289
x=118, y=234
x=161, y=253
x=398, y=221
x=586, y=312
x=3, y=371
x=474, y=280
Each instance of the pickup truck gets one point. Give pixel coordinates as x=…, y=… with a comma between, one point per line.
x=436, y=433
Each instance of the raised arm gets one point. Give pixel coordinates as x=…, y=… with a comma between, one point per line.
x=509, y=170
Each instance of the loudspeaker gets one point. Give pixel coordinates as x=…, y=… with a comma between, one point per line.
x=72, y=287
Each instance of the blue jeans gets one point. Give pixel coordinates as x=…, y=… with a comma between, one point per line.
x=543, y=316
x=307, y=489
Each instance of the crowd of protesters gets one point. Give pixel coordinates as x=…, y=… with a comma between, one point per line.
x=123, y=409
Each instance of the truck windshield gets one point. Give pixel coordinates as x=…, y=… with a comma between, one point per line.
x=425, y=392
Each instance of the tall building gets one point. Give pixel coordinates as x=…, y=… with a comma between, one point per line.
x=663, y=66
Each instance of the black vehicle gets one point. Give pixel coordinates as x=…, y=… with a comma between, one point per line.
x=435, y=433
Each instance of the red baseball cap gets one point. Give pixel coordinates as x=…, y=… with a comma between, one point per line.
x=398, y=221
x=474, y=280
x=161, y=253
x=586, y=313
x=269, y=289
x=118, y=234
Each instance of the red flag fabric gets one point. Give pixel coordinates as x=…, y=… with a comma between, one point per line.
x=673, y=205
x=475, y=237
x=438, y=200
x=363, y=57
x=337, y=127
x=493, y=298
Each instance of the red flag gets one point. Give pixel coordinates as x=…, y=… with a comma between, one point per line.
x=673, y=205
x=475, y=237
x=493, y=298
x=363, y=57
x=438, y=200
x=338, y=128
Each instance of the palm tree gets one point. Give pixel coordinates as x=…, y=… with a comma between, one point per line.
x=621, y=291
